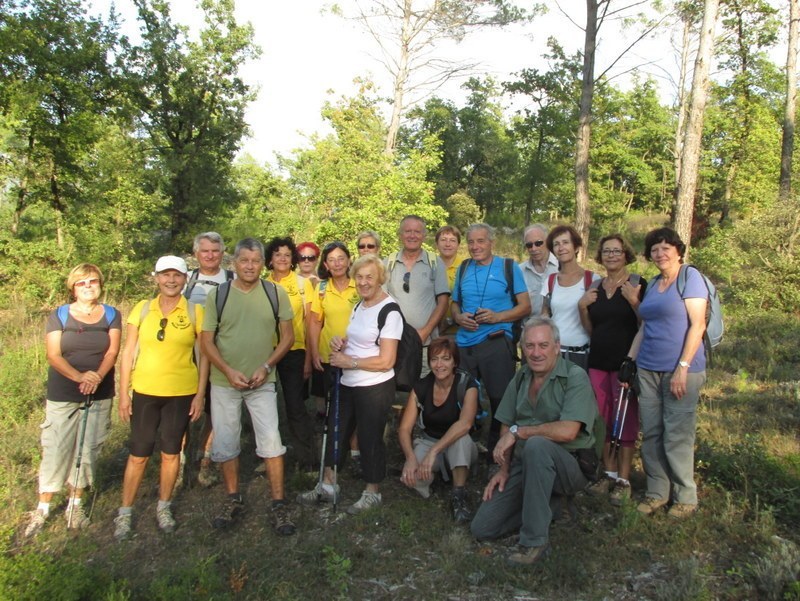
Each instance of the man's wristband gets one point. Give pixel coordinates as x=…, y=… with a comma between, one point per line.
x=268, y=367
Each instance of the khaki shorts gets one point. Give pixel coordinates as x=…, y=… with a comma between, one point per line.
x=61, y=432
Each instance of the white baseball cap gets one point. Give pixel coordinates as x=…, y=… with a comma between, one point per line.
x=168, y=262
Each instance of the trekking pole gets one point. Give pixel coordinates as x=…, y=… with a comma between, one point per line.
x=619, y=420
x=626, y=400
x=86, y=405
x=337, y=375
x=324, y=446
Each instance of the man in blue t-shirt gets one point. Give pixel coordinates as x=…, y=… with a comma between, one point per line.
x=484, y=310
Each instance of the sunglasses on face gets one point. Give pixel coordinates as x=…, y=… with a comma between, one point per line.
x=308, y=258
x=163, y=331
x=367, y=246
x=407, y=282
x=89, y=282
x=537, y=244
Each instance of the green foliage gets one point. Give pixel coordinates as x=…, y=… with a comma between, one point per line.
x=350, y=184
x=462, y=210
x=337, y=568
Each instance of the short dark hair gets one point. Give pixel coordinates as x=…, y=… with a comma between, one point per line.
x=630, y=256
x=441, y=345
x=448, y=229
x=275, y=244
x=666, y=235
x=322, y=271
x=248, y=244
x=558, y=230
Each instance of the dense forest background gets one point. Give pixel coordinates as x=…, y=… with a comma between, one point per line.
x=114, y=152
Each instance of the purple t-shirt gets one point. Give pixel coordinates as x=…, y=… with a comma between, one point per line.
x=666, y=324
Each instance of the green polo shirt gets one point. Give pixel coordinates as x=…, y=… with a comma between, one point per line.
x=566, y=396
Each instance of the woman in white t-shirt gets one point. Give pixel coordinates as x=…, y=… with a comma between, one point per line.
x=365, y=359
x=563, y=291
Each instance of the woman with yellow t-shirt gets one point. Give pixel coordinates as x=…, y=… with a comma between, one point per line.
x=332, y=304
x=159, y=366
x=295, y=367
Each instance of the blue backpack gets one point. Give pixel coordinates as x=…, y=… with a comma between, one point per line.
x=63, y=313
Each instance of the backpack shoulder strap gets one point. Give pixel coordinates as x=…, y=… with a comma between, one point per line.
x=384, y=312
x=229, y=275
x=391, y=262
x=194, y=274
x=587, y=278
x=323, y=284
x=551, y=283
x=63, y=313
x=191, y=309
x=462, y=269
x=508, y=269
x=433, y=260
x=223, y=290
x=111, y=313
x=271, y=290
x=635, y=279
x=595, y=284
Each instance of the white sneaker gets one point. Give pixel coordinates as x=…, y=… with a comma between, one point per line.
x=79, y=519
x=318, y=494
x=367, y=501
x=165, y=520
x=122, y=526
x=36, y=523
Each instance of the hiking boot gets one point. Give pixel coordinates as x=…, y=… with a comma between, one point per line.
x=36, y=523
x=461, y=512
x=620, y=492
x=231, y=509
x=165, y=520
x=281, y=521
x=122, y=526
x=367, y=501
x=79, y=518
x=207, y=476
x=528, y=556
x=318, y=494
x=681, y=510
x=601, y=487
x=650, y=505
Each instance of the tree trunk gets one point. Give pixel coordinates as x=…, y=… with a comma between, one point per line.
x=582, y=213
x=683, y=105
x=787, y=144
x=690, y=155
x=400, y=80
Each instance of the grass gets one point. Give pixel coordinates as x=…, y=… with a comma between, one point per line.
x=741, y=545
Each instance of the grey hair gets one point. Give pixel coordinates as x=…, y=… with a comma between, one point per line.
x=248, y=244
x=534, y=226
x=490, y=232
x=369, y=234
x=536, y=321
x=213, y=237
x=415, y=218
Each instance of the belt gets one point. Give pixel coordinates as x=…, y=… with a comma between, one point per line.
x=575, y=349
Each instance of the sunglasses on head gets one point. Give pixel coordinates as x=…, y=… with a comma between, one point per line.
x=537, y=244
x=89, y=282
x=367, y=246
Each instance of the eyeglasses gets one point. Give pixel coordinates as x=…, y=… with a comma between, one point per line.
x=612, y=252
x=406, y=282
x=162, y=332
x=89, y=282
x=308, y=258
x=367, y=246
x=537, y=244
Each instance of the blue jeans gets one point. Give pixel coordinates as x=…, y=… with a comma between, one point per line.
x=668, y=433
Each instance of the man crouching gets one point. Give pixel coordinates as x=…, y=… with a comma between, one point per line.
x=547, y=415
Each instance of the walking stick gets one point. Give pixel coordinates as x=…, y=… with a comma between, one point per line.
x=324, y=445
x=86, y=405
x=337, y=375
x=622, y=409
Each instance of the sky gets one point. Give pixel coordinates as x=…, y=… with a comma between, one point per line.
x=310, y=56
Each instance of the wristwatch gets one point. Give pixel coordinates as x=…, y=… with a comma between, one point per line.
x=683, y=363
x=268, y=368
x=355, y=364
x=514, y=431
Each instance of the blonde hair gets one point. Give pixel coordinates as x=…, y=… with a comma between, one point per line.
x=83, y=271
x=369, y=259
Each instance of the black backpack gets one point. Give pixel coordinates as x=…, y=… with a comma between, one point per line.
x=194, y=276
x=508, y=271
x=270, y=289
x=408, y=363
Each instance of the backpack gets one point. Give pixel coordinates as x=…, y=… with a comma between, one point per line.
x=715, y=326
x=63, y=313
x=588, y=282
x=270, y=289
x=408, y=362
x=508, y=270
x=633, y=278
x=433, y=261
x=195, y=275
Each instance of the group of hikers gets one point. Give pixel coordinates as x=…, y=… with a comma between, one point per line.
x=598, y=354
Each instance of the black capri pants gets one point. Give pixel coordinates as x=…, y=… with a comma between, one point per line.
x=363, y=409
x=167, y=415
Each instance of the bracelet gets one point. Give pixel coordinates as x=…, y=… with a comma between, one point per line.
x=268, y=368
x=355, y=364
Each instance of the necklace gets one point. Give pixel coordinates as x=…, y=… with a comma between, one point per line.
x=80, y=309
x=485, y=281
x=610, y=290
